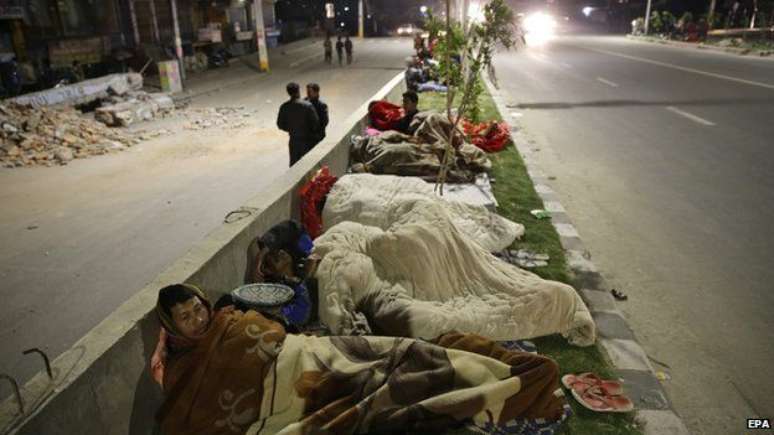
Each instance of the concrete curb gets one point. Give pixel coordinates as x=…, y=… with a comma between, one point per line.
x=632, y=364
x=760, y=54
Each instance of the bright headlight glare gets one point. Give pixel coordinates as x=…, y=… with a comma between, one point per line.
x=539, y=23
x=539, y=28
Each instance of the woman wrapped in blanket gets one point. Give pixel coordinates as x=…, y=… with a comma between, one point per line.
x=233, y=372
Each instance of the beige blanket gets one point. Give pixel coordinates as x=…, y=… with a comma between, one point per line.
x=422, y=277
x=355, y=385
x=381, y=200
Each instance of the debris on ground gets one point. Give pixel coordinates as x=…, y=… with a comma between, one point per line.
x=524, y=258
x=83, y=92
x=541, y=214
x=132, y=107
x=49, y=135
x=619, y=296
x=224, y=117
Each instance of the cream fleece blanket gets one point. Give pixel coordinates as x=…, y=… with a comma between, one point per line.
x=422, y=277
x=380, y=200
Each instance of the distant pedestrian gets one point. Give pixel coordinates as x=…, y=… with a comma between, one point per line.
x=299, y=119
x=348, y=48
x=313, y=97
x=328, y=49
x=339, y=49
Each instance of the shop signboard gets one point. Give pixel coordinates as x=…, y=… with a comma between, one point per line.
x=83, y=50
x=169, y=73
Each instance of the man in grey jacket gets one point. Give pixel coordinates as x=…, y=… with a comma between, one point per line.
x=299, y=119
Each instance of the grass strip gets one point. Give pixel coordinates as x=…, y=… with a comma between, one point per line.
x=516, y=196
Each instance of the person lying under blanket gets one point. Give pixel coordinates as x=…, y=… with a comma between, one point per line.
x=283, y=255
x=419, y=273
x=228, y=371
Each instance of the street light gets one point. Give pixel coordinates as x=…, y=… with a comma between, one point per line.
x=423, y=9
x=475, y=13
x=587, y=10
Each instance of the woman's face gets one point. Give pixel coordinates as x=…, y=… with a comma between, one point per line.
x=191, y=317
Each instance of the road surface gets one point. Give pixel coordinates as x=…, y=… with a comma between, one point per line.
x=663, y=157
x=105, y=226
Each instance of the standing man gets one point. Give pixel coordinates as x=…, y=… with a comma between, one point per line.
x=348, y=48
x=299, y=119
x=328, y=49
x=339, y=49
x=313, y=97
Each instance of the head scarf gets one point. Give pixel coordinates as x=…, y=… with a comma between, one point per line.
x=170, y=338
x=169, y=324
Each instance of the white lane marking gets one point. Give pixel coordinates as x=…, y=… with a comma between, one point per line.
x=300, y=61
x=517, y=114
x=565, y=64
x=690, y=116
x=686, y=69
x=607, y=82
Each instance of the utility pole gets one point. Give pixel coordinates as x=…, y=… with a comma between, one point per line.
x=647, y=17
x=711, y=14
x=135, y=28
x=178, y=40
x=156, y=33
x=360, y=19
x=260, y=35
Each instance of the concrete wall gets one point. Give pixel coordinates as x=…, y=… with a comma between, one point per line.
x=102, y=385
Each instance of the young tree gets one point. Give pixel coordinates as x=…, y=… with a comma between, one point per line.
x=465, y=52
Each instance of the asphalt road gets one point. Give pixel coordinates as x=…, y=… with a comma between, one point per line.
x=101, y=228
x=663, y=158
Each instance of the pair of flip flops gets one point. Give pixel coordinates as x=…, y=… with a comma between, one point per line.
x=597, y=394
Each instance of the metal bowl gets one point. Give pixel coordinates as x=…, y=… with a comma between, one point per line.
x=263, y=295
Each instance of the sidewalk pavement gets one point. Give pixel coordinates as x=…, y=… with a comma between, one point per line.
x=615, y=335
x=241, y=70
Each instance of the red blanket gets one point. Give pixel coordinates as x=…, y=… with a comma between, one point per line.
x=313, y=195
x=384, y=115
x=489, y=136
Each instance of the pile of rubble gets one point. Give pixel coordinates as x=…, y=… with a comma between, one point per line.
x=47, y=136
x=132, y=107
x=223, y=117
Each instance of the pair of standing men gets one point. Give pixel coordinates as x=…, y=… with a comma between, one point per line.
x=304, y=120
x=341, y=46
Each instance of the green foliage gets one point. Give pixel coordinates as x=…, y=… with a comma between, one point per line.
x=473, y=111
x=655, y=25
x=433, y=25
x=463, y=54
x=667, y=18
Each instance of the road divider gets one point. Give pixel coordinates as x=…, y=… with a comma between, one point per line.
x=102, y=385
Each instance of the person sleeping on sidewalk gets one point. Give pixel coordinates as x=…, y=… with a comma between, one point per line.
x=228, y=371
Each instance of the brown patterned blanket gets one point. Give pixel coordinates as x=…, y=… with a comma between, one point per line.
x=247, y=376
